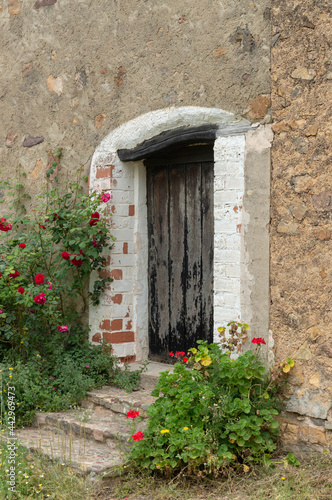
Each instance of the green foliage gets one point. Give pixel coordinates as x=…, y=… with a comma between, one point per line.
x=56, y=380
x=218, y=413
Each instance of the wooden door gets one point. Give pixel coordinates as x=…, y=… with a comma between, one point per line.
x=180, y=232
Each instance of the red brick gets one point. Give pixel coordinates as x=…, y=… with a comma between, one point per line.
x=116, y=324
x=117, y=299
x=104, y=172
x=131, y=210
x=129, y=325
x=116, y=274
x=105, y=274
x=96, y=337
x=119, y=337
x=125, y=248
x=105, y=324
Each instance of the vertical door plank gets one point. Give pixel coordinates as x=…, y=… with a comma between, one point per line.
x=177, y=263
x=207, y=250
x=193, y=254
x=158, y=234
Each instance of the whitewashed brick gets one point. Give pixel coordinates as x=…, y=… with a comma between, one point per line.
x=119, y=286
x=128, y=273
x=123, y=235
x=234, y=183
x=122, y=260
x=222, y=285
x=122, y=209
x=227, y=256
x=125, y=349
x=225, y=226
x=120, y=196
x=101, y=184
x=118, y=247
x=123, y=183
x=230, y=196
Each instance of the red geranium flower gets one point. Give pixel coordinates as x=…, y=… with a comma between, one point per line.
x=39, y=279
x=14, y=274
x=138, y=436
x=22, y=245
x=132, y=414
x=20, y=290
x=40, y=298
x=171, y=353
x=65, y=255
x=185, y=359
x=179, y=353
x=258, y=341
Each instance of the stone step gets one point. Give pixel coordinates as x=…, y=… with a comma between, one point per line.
x=87, y=456
x=119, y=401
x=149, y=378
x=99, y=424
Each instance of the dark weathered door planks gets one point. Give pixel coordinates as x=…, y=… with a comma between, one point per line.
x=180, y=231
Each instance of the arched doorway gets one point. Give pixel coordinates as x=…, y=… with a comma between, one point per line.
x=241, y=169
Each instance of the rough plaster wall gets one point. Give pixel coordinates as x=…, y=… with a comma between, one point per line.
x=255, y=297
x=301, y=209
x=71, y=70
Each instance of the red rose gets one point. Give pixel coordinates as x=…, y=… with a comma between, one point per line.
x=258, y=341
x=94, y=219
x=132, y=414
x=4, y=225
x=40, y=298
x=20, y=290
x=77, y=262
x=39, y=279
x=63, y=328
x=105, y=197
x=65, y=255
x=138, y=436
x=14, y=274
x=22, y=245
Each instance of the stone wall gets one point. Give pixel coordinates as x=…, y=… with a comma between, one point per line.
x=301, y=207
x=72, y=70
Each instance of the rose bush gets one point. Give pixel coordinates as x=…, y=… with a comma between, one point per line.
x=48, y=257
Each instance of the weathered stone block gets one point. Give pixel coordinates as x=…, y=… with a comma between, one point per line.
x=312, y=403
x=312, y=434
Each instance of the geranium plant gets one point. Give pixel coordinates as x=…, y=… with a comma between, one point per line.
x=212, y=411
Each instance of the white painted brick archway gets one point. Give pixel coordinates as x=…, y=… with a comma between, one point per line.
x=122, y=316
